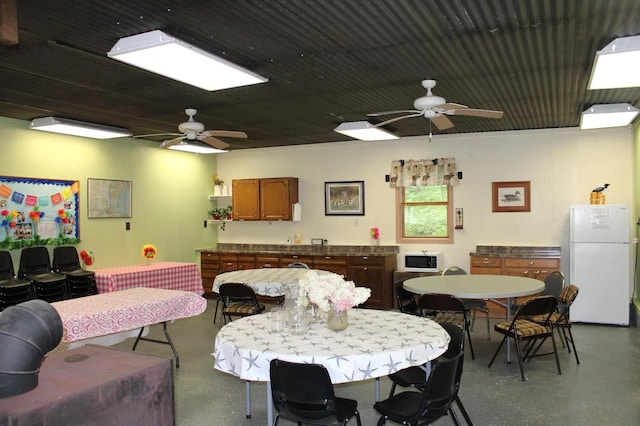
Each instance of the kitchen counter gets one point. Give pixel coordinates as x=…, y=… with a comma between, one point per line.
x=517, y=251
x=303, y=249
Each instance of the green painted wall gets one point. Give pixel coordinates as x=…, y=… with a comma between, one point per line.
x=169, y=200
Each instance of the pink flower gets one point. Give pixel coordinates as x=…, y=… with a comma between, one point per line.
x=375, y=233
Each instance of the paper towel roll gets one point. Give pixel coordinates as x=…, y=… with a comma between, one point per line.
x=297, y=212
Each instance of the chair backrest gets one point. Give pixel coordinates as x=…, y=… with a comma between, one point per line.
x=34, y=260
x=440, y=302
x=454, y=270
x=553, y=284
x=406, y=300
x=301, y=390
x=6, y=266
x=65, y=258
x=541, y=305
x=300, y=265
x=230, y=292
x=567, y=297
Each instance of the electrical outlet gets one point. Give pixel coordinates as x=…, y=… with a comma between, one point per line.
x=127, y=226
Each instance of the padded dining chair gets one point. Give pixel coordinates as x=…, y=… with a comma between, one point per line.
x=35, y=265
x=407, y=303
x=445, y=308
x=304, y=393
x=416, y=376
x=526, y=332
x=80, y=282
x=238, y=300
x=13, y=290
x=472, y=305
x=437, y=393
x=559, y=320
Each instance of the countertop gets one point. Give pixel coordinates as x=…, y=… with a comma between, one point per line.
x=517, y=251
x=304, y=249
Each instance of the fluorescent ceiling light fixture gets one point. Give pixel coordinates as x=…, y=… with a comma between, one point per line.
x=364, y=131
x=77, y=128
x=617, y=65
x=195, y=147
x=163, y=54
x=609, y=115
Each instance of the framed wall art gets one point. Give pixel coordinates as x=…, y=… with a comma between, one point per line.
x=108, y=198
x=344, y=198
x=511, y=196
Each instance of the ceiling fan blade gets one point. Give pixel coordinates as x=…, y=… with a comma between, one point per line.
x=451, y=105
x=442, y=122
x=376, y=114
x=214, y=142
x=157, y=134
x=485, y=113
x=402, y=117
x=225, y=134
x=171, y=142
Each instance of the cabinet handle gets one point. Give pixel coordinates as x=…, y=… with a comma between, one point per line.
x=365, y=258
x=531, y=262
x=536, y=273
x=485, y=261
x=525, y=272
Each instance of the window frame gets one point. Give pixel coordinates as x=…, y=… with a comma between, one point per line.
x=400, y=238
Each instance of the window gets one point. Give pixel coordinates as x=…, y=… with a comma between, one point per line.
x=424, y=214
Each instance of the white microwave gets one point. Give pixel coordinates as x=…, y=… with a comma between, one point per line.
x=423, y=261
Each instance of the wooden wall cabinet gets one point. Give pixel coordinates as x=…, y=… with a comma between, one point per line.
x=264, y=199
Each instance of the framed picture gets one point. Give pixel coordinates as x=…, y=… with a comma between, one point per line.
x=108, y=198
x=344, y=198
x=511, y=196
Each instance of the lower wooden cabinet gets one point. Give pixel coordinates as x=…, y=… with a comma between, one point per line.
x=530, y=267
x=374, y=272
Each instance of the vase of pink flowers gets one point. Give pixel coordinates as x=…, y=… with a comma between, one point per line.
x=332, y=294
x=375, y=236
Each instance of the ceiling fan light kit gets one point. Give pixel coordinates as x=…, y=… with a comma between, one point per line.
x=364, y=131
x=616, y=66
x=609, y=115
x=163, y=54
x=77, y=128
x=195, y=147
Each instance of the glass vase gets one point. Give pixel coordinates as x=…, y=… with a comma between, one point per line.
x=337, y=320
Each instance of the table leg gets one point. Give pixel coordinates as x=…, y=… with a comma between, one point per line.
x=164, y=342
x=248, y=398
x=508, y=309
x=269, y=405
x=377, y=389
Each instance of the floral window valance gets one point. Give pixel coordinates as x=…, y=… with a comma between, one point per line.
x=437, y=171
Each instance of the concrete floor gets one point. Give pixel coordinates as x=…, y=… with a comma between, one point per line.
x=603, y=390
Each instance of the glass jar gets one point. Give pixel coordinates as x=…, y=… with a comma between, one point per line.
x=337, y=320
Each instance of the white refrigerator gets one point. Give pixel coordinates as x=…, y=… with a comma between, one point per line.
x=601, y=250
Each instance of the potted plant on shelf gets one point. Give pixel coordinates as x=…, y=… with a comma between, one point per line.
x=222, y=214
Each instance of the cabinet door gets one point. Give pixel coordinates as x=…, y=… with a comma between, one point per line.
x=209, y=268
x=267, y=261
x=277, y=196
x=335, y=264
x=530, y=267
x=228, y=262
x=372, y=278
x=286, y=259
x=486, y=265
x=246, y=199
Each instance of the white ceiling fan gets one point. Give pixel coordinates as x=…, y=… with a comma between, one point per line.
x=436, y=109
x=192, y=131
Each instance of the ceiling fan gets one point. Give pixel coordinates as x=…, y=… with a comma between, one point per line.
x=436, y=109
x=192, y=131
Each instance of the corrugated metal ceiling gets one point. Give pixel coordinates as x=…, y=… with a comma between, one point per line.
x=327, y=61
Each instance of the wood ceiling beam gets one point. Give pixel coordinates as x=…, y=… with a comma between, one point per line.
x=8, y=22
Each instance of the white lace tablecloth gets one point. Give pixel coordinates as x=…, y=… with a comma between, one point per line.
x=375, y=344
x=265, y=282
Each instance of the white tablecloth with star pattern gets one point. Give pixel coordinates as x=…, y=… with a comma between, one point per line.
x=375, y=344
x=264, y=281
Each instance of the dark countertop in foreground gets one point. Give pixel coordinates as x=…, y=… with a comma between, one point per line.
x=517, y=251
x=304, y=249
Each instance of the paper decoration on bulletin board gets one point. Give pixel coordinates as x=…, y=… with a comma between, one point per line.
x=37, y=212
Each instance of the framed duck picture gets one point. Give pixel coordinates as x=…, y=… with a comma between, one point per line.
x=511, y=196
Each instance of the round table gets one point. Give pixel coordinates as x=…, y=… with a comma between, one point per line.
x=477, y=287
x=375, y=344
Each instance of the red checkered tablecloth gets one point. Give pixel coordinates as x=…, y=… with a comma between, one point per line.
x=167, y=275
x=118, y=311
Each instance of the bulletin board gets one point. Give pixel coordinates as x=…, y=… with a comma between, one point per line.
x=38, y=212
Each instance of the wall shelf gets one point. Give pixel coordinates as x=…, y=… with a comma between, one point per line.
x=218, y=197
